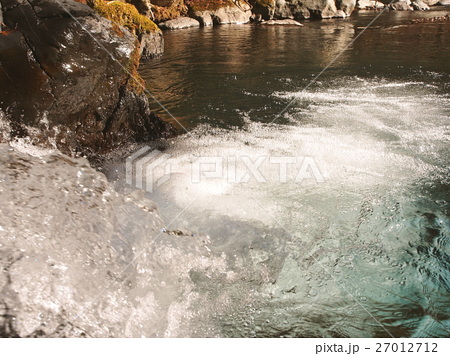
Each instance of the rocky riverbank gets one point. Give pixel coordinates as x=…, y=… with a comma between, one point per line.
x=69, y=78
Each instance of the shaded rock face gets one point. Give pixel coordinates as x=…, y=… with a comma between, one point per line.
x=64, y=80
x=303, y=9
x=181, y=22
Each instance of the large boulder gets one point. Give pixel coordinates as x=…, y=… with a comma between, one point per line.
x=68, y=79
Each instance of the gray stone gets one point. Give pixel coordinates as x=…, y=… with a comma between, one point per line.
x=180, y=22
x=401, y=6
x=369, y=4
x=419, y=5
x=285, y=22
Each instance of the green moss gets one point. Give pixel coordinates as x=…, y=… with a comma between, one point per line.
x=127, y=16
x=208, y=5
x=124, y=15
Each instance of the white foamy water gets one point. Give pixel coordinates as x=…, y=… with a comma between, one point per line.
x=335, y=210
x=335, y=225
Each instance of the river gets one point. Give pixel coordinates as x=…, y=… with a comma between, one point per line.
x=323, y=176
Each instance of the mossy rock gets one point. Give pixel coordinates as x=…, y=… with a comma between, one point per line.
x=176, y=9
x=125, y=15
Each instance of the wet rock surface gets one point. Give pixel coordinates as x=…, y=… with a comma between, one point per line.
x=65, y=79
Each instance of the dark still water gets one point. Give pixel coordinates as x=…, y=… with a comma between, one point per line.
x=212, y=75
x=333, y=220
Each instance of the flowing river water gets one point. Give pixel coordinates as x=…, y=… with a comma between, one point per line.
x=359, y=245
x=309, y=197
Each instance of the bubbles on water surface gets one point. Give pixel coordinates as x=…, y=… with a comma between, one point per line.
x=356, y=258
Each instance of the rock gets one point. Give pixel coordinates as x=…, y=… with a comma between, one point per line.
x=204, y=17
x=284, y=22
x=238, y=12
x=232, y=14
x=302, y=9
x=340, y=14
x=346, y=5
x=151, y=45
x=180, y=22
x=70, y=88
x=431, y=2
x=400, y=6
x=369, y=4
x=419, y=5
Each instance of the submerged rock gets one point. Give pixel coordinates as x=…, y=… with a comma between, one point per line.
x=68, y=79
x=284, y=22
x=180, y=22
